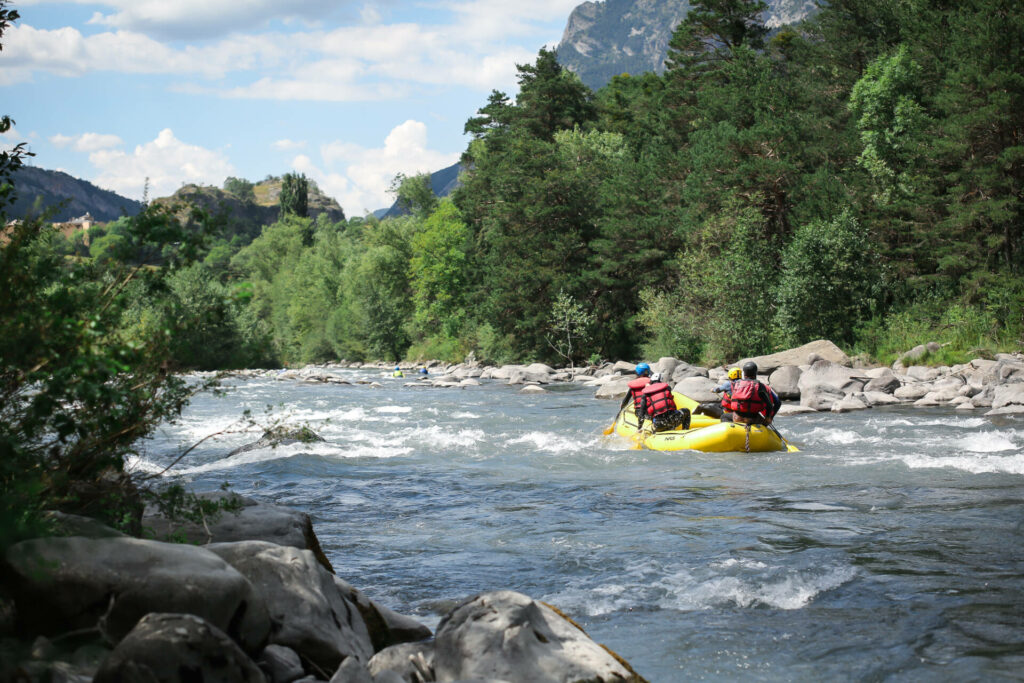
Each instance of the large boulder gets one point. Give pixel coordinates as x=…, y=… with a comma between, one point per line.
x=697, y=388
x=64, y=584
x=833, y=376
x=385, y=626
x=801, y=355
x=848, y=404
x=666, y=366
x=624, y=367
x=820, y=397
x=922, y=373
x=877, y=398
x=281, y=664
x=523, y=376
x=412, y=661
x=685, y=370
x=614, y=389
x=539, y=369
x=250, y=521
x=792, y=409
x=884, y=381
x=786, y=382
x=912, y=392
x=177, y=648
x=1008, y=395
x=309, y=613
x=508, y=636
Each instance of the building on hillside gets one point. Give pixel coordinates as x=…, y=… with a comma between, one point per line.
x=82, y=223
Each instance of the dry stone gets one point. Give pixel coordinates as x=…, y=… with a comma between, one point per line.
x=820, y=397
x=877, y=398
x=697, y=388
x=786, y=382
x=666, y=366
x=508, y=636
x=848, y=404
x=64, y=584
x=823, y=348
x=614, y=389
x=408, y=659
x=386, y=627
x=309, y=614
x=1008, y=395
x=912, y=392
x=177, y=648
x=885, y=381
x=833, y=376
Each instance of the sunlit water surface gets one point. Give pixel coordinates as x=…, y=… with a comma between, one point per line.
x=889, y=548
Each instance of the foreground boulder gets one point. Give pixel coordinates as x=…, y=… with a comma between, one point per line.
x=65, y=584
x=508, y=636
x=177, y=648
x=385, y=626
x=309, y=613
x=252, y=521
x=786, y=382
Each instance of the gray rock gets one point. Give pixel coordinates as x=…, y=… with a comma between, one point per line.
x=280, y=436
x=624, y=367
x=848, y=404
x=389, y=677
x=281, y=664
x=937, y=397
x=508, y=636
x=833, y=376
x=820, y=397
x=409, y=660
x=912, y=392
x=532, y=389
x=884, y=381
x=697, y=388
x=255, y=521
x=684, y=371
x=309, y=614
x=522, y=377
x=1014, y=409
x=177, y=648
x=966, y=406
x=960, y=400
x=786, y=382
x=539, y=369
x=64, y=524
x=665, y=365
x=922, y=373
x=823, y=348
x=469, y=382
x=615, y=389
x=385, y=626
x=1008, y=395
x=984, y=398
x=877, y=398
x=352, y=671
x=793, y=409
x=63, y=584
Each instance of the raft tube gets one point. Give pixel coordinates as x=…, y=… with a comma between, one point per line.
x=722, y=437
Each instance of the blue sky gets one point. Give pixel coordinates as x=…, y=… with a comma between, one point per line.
x=350, y=93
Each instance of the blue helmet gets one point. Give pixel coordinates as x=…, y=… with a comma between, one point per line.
x=643, y=369
x=397, y=368
x=423, y=371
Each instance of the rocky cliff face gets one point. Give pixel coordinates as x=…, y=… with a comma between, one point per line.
x=67, y=195
x=604, y=39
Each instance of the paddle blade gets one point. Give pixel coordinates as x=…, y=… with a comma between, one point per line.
x=609, y=429
x=790, y=448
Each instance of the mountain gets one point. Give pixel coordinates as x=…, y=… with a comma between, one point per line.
x=442, y=182
x=605, y=39
x=74, y=197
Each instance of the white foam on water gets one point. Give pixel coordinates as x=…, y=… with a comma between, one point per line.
x=134, y=463
x=987, y=442
x=818, y=507
x=437, y=436
x=842, y=437
x=394, y=409
x=974, y=464
x=552, y=442
x=743, y=563
x=796, y=589
x=465, y=416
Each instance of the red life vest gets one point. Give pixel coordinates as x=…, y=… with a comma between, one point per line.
x=746, y=399
x=636, y=387
x=727, y=399
x=658, y=399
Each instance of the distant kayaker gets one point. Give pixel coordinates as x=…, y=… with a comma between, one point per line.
x=398, y=372
x=643, y=378
x=423, y=371
x=752, y=401
x=659, y=405
x=720, y=409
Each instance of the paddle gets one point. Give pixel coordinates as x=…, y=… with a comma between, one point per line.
x=790, y=448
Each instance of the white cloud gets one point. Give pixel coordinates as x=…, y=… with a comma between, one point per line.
x=359, y=177
x=86, y=142
x=166, y=161
x=287, y=145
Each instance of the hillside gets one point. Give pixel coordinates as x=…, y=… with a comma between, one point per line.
x=69, y=196
x=442, y=182
x=604, y=39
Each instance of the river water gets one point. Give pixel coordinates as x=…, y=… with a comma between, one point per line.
x=889, y=548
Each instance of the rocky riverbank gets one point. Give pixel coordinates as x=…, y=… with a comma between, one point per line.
x=818, y=376
x=257, y=601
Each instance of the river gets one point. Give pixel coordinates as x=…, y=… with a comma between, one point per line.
x=889, y=548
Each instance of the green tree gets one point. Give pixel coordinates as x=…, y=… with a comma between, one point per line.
x=241, y=188
x=294, y=195
x=569, y=328
x=414, y=194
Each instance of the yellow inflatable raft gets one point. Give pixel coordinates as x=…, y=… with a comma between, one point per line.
x=705, y=433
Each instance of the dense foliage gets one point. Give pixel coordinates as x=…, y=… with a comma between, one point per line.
x=857, y=177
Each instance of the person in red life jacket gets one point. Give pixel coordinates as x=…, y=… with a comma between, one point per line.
x=720, y=409
x=643, y=378
x=661, y=407
x=753, y=402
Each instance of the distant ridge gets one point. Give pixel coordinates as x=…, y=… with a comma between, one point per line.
x=442, y=182
x=72, y=196
x=605, y=39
